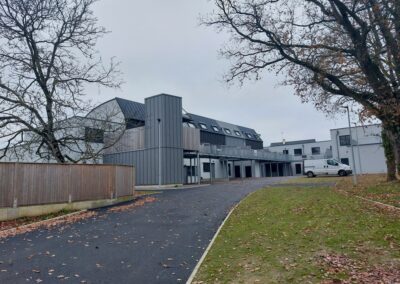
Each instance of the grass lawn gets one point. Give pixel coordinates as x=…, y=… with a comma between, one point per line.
x=373, y=187
x=305, y=235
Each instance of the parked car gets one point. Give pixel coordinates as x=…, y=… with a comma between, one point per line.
x=314, y=168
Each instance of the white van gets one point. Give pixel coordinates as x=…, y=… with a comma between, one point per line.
x=314, y=168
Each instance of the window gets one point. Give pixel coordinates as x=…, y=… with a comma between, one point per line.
x=237, y=133
x=298, y=152
x=203, y=126
x=332, y=163
x=345, y=161
x=228, y=131
x=206, y=167
x=216, y=129
x=316, y=150
x=286, y=152
x=344, y=140
x=249, y=135
x=93, y=135
x=191, y=125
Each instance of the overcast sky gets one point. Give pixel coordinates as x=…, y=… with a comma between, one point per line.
x=163, y=49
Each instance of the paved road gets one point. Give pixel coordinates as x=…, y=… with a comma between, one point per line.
x=159, y=242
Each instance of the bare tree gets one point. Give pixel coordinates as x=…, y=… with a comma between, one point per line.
x=334, y=52
x=47, y=58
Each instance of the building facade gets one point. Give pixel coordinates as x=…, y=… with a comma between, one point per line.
x=367, y=144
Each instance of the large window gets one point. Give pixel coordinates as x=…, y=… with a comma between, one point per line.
x=298, y=152
x=345, y=161
x=316, y=150
x=93, y=135
x=206, y=167
x=344, y=140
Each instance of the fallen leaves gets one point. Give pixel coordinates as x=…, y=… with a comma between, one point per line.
x=135, y=204
x=357, y=271
x=47, y=224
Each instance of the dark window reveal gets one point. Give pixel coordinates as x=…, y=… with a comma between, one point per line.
x=93, y=135
x=298, y=152
x=206, y=167
x=344, y=140
x=345, y=161
x=286, y=152
x=316, y=150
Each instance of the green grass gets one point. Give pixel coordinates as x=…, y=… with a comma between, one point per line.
x=373, y=187
x=278, y=235
x=325, y=179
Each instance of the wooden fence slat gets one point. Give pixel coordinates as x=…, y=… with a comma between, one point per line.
x=36, y=184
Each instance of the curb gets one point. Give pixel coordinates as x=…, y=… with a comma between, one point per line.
x=203, y=257
x=43, y=221
x=377, y=203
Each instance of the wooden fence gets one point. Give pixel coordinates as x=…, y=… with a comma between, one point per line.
x=36, y=184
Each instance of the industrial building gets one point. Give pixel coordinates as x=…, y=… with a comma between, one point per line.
x=369, y=154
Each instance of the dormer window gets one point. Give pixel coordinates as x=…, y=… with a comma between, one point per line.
x=203, y=126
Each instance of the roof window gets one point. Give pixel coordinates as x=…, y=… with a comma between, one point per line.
x=215, y=128
x=203, y=126
x=228, y=131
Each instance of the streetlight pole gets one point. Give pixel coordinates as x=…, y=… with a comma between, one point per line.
x=358, y=150
x=159, y=152
x=352, y=148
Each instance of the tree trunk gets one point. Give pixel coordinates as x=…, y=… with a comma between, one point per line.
x=389, y=147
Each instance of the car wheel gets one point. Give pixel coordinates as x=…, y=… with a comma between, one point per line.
x=342, y=173
x=310, y=174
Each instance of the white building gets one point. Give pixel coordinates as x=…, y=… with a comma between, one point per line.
x=368, y=150
x=366, y=140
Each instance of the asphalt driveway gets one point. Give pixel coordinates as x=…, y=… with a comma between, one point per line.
x=159, y=242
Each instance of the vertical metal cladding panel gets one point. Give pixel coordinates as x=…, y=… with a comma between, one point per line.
x=212, y=138
x=169, y=110
x=235, y=142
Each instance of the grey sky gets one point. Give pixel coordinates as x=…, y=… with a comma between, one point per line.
x=163, y=50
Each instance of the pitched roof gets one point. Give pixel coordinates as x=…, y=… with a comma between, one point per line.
x=209, y=122
x=131, y=109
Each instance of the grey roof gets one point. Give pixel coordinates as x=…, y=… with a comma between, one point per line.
x=131, y=109
x=209, y=122
x=293, y=142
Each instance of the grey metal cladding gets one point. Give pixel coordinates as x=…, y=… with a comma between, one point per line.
x=131, y=109
x=255, y=144
x=168, y=109
x=212, y=138
x=235, y=142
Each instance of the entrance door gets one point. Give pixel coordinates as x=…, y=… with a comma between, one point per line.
x=238, y=173
x=248, y=172
x=298, y=169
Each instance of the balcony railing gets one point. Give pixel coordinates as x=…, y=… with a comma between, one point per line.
x=243, y=153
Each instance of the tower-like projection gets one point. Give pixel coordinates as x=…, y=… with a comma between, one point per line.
x=163, y=139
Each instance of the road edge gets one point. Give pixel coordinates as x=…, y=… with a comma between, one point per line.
x=203, y=257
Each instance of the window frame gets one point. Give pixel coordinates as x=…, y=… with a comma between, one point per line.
x=228, y=131
x=215, y=128
x=344, y=140
x=301, y=152
x=316, y=153
x=203, y=126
